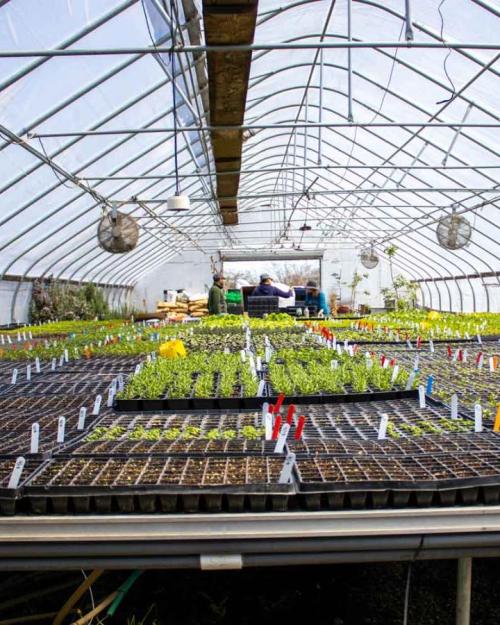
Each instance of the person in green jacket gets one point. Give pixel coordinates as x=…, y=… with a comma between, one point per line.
x=216, y=301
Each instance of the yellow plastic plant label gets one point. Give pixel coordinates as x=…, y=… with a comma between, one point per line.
x=172, y=349
x=496, y=427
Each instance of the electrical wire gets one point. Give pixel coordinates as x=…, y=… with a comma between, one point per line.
x=446, y=58
x=54, y=170
x=407, y=594
x=90, y=593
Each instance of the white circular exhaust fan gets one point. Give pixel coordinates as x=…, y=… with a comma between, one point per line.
x=369, y=258
x=453, y=231
x=117, y=232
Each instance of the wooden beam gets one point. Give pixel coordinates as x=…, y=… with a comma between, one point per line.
x=228, y=23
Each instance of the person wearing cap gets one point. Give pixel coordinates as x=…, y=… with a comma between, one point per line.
x=266, y=288
x=316, y=298
x=216, y=300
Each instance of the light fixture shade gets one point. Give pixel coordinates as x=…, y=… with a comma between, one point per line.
x=178, y=203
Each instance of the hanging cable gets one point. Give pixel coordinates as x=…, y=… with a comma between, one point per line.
x=174, y=95
x=407, y=594
x=54, y=171
x=446, y=58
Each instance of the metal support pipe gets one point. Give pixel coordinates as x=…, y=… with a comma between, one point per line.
x=350, y=117
x=320, y=111
x=306, y=125
x=464, y=584
x=408, y=25
x=327, y=45
x=457, y=134
x=352, y=191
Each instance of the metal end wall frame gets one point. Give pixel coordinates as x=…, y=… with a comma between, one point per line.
x=375, y=148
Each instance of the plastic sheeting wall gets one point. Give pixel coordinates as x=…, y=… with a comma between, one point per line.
x=190, y=271
x=21, y=311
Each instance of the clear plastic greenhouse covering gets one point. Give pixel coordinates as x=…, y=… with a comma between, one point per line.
x=376, y=142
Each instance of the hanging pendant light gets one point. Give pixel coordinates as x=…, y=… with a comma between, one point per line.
x=178, y=201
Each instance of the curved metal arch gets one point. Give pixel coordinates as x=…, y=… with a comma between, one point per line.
x=436, y=254
x=418, y=259
x=75, y=198
x=137, y=256
x=148, y=186
x=458, y=94
x=375, y=134
x=394, y=94
x=84, y=212
x=94, y=262
x=386, y=177
x=88, y=163
x=417, y=25
x=451, y=253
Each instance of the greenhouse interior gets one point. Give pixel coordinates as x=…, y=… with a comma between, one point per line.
x=249, y=311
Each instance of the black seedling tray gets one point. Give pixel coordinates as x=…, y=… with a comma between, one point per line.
x=163, y=494
x=220, y=403
x=10, y=497
x=383, y=481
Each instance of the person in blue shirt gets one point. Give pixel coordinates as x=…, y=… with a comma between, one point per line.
x=266, y=289
x=315, y=297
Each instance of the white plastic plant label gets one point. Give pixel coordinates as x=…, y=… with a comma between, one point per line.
x=9, y=340
x=416, y=363
x=61, y=426
x=15, y=476
x=66, y=355
x=491, y=364
x=114, y=385
x=18, y=337
x=61, y=360
x=137, y=369
x=268, y=353
x=81, y=418
x=2, y=339
x=395, y=373
x=251, y=361
x=339, y=349
x=243, y=355
x=421, y=396
x=120, y=380
x=111, y=397
x=53, y=364
x=386, y=363
x=411, y=380
x=382, y=428
x=37, y=364
x=286, y=472
x=35, y=437
x=431, y=346
x=408, y=344
x=334, y=364
x=28, y=372
x=479, y=339
x=478, y=418
x=268, y=425
x=346, y=344
x=97, y=405
x=260, y=390
x=14, y=376
x=280, y=443
x=265, y=410
x=258, y=364
x=454, y=406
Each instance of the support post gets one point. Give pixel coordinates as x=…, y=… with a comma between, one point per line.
x=464, y=579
